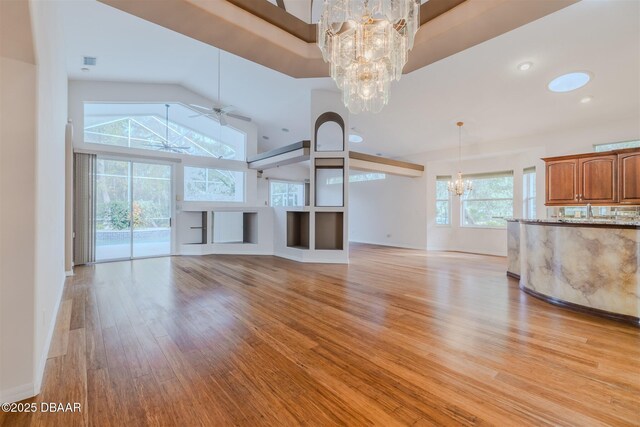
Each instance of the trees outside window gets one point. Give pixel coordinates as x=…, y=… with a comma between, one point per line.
x=490, y=200
x=443, y=201
x=283, y=193
x=213, y=185
x=616, y=146
x=529, y=193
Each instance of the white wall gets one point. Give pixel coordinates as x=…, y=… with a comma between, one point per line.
x=405, y=207
x=17, y=226
x=388, y=212
x=50, y=175
x=33, y=113
x=17, y=202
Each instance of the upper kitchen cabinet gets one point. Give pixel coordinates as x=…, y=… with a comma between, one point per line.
x=562, y=181
x=598, y=178
x=629, y=176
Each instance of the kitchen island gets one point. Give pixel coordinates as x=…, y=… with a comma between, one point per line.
x=586, y=265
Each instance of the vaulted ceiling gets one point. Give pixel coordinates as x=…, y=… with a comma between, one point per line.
x=480, y=85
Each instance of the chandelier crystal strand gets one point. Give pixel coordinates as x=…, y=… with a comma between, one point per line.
x=459, y=187
x=366, y=42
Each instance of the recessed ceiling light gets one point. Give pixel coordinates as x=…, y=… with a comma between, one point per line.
x=354, y=137
x=265, y=137
x=586, y=99
x=285, y=130
x=525, y=66
x=569, y=82
x=84, y=69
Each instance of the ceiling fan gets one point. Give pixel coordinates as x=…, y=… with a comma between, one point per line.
x=165, y=144
x=219, y=112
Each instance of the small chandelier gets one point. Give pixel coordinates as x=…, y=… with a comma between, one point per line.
x=459, y=186
x=366, y=42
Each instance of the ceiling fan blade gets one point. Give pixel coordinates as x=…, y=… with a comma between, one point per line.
x=227, y=109
x=239, y=117
x=201, y=107
x=200, y=115
x=223, y=119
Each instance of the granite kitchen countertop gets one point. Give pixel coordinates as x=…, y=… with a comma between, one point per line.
x=592, y=222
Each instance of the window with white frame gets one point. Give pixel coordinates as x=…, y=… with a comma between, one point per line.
x=443, y=201
x=616, y=146
x=358, y=177
x=169, y=128
x=490, y=200
x=529, y=193
x=213, y=185
x=285, y=193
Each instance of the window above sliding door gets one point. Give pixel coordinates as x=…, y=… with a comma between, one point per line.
x=169, y=128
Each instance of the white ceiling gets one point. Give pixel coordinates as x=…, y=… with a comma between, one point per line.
x=480, y=86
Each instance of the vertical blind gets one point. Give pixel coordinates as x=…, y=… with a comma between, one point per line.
x=84, y=183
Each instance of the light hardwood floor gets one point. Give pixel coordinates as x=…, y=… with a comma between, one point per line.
x=398, y=337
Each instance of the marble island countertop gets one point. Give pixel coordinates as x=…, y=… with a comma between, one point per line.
x=589, y=265
x=614, y=223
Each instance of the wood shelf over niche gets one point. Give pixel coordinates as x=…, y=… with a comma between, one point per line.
x=194, y=228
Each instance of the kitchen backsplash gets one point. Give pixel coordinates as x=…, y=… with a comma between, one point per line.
x=611, y=212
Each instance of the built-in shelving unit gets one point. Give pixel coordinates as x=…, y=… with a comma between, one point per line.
x=329, y=180
x=329, y=230
x=227, y=231
x=234, y=227
x=194, y=228
x=298, y=230
x=250, y=227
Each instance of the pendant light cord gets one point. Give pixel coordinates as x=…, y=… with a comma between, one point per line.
x=460, y=124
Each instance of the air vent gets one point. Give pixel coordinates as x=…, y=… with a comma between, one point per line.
x=89, y=60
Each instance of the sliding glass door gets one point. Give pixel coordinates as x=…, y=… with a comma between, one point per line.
x=113, y=213
x=133, y=209
x=151, y=209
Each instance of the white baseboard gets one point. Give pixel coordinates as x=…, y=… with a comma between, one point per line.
x=39, y=372
x=16, y=394
x=466, y=251
x=389, y=244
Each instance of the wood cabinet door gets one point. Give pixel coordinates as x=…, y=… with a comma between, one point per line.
x=561, y=182
x=629, y=177
x=598, y=179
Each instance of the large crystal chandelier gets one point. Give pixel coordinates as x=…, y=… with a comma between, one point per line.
x=459, y=186
x=366, y=42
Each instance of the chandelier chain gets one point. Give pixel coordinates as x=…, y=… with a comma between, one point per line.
x=459, y=187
